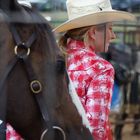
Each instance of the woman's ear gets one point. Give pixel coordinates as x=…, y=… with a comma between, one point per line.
x=90, y=37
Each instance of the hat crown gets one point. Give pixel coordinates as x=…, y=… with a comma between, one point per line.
x=78, y=8
x=82, y=13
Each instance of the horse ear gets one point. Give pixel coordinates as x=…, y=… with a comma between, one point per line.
x=15, y=11
x=9, y=5
x=14, y=5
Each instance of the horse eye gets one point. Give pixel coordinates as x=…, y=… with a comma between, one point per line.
x=60, y=66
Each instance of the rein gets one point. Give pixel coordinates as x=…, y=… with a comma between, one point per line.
x=22, y=50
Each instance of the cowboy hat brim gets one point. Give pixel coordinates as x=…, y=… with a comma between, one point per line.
x=94, y=19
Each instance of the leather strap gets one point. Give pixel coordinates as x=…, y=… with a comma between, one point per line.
x=36, y=87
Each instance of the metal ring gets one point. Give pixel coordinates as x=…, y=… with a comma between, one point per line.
x=39, y=85
x=54, y=127
x=16, y=51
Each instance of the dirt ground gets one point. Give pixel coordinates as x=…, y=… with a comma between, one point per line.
x=127, y=130
x=127, y=133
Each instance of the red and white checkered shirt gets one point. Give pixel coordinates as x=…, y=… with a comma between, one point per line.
x=93, y=78
x=11, y=134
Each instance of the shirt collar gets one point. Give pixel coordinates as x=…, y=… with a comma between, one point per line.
x=77, y=44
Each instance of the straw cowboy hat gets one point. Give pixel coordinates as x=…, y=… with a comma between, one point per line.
x=83, y=13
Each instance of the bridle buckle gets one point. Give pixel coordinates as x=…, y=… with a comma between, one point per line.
x=21, y=50
x=55, y=128
x=36, y=86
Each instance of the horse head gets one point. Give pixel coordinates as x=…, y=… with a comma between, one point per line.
x=34, y=96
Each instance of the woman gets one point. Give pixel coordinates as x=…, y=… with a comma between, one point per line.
x=87, y=32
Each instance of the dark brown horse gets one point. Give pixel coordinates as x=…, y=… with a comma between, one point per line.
x=34, y=96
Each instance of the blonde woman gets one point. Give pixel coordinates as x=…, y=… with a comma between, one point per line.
x=89, y=30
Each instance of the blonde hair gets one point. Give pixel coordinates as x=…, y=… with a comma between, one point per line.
x=80, y=34
x=76, y=34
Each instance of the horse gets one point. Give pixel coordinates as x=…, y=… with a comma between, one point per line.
x=34, y=95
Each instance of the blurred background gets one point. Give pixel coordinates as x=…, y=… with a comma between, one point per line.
x=124, y=54
x=55, y=10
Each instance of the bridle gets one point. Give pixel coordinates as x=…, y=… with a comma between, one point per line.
x=22, y=51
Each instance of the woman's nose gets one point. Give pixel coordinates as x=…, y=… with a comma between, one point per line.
x=113, y=35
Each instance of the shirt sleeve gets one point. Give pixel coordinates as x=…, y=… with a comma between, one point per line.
x=97, y=104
